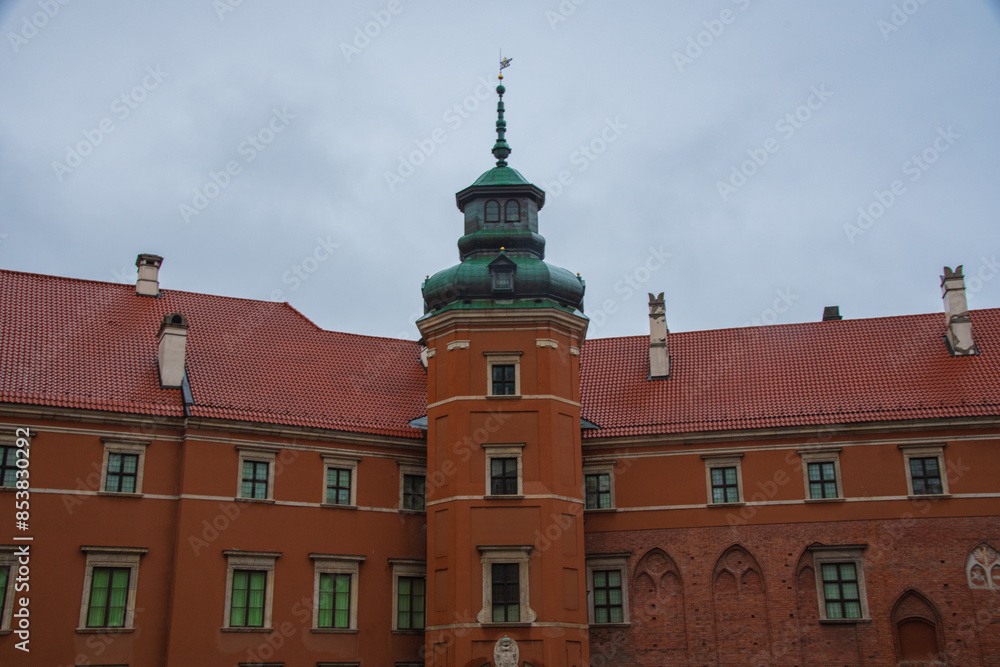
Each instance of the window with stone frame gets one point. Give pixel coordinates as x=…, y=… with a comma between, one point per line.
x=724, y=479
x=123, y=465
x=413, y=488
x=925, y=470
x=336, y=594
x=111, y=580
x=249, y=590
x=840, y=583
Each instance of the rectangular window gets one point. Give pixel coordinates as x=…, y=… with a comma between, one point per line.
x=108, y=597
x=255, y=475
x=410, y=603
x=725, y=488
x=8, y=465
x=248, y=599
x=123, y=470
x=506, y=593
x=334, y=600
x=504, y=380
x=822, y=480
x=598, y=488
x=840, y=590
x=608, y=601
x=503, y=476
x=338, y=486
x=414, y=487
x=4, y=572
x=925, y=474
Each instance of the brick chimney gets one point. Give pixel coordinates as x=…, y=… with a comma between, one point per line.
x=170, y=354
x=958, y=324
x=831, y=314
x=659, y=360
x=149, y=275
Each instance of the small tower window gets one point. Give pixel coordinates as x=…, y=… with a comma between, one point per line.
x=492, y=211
x=513, y=212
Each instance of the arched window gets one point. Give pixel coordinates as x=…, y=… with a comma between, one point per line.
x=492, y=211
x=513, y=213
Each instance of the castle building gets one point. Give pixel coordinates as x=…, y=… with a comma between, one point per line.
x=190, y=479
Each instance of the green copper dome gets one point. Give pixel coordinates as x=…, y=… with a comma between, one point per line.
x=502, y=252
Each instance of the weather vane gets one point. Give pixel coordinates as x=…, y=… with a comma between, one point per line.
x=504, y=63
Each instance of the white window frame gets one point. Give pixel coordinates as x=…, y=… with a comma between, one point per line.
x=257, y=453
x=924, y=452
x=599, y=468
x=825, y=455
x=847, y=553
x=603, y=563
x=407, y=567
x=123, y=446
x=416, y=471
x=8, y=559
x=336, y=564
x=250, y=560
x=341, y=462
x=503, y=359
x=504, y=451
x=521, y=555
x=724, y=461
x=119, y=557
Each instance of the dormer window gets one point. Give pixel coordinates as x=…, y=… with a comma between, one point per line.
x=513, y=211
x=492, y=211
x=503, y=281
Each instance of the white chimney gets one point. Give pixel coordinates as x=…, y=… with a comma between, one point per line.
x=149, y=275
x=958, y=324
x=170, y=355
x=659, y=360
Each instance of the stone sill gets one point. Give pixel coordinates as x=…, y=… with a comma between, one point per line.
x=118, y=494
x=334, y=631
x=338, y=507
x=843, y=621
x=504, y=397
x=408, y=632
x=511, y=496
x=254, y=501
x=252, y=630
x=740, y=504
x=825, y=500
x=928, y=496
x=600, y=510
x=598, y=626
x=104, y=631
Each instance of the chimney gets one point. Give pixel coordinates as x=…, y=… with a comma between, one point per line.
x=149, y=275
x=659, y=360
x=170, y=355
x=831, y=313
x=958, y=331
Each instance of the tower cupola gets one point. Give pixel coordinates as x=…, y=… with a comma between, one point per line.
x=502, y=254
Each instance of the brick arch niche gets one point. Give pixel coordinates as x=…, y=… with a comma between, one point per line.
x=739, y=601
x=916, y=626
x=657, y=609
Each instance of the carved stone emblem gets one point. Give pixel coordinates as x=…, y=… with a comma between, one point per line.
x=505, y=653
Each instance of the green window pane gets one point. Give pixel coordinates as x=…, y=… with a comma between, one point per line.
x=850, y=591
x=601, y=615
x=831, y=591
x=615, y=578
x=717, y=477
x=730, y=475
x=600, y=579
x=833, y=610
x=732, y=495
x=829, y=571
x=828, y=471
x=99, y=584
x=814, y=473
x=117, y=602
x=847, y=571
x=617, y=615
x=815, y=490
x=852, y=610
x=830, y=489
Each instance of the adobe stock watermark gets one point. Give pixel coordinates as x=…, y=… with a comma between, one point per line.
x=363, y=35
x=248, y=149
x=562, y=12
x=704, y=39
x=629, y=284
x=585, y=155
x=899, y=17
x=121, y=107
x=782, y=304
x=223, y=7
x=915, y=167
x=786, y=126
x=454, y=116
x=37, y=21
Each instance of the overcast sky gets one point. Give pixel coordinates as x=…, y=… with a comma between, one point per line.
x=309, y=152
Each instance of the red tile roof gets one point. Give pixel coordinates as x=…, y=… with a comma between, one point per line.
x=837, y=372
x=92, y=345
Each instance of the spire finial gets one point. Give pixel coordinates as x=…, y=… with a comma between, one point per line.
x=500, y=149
